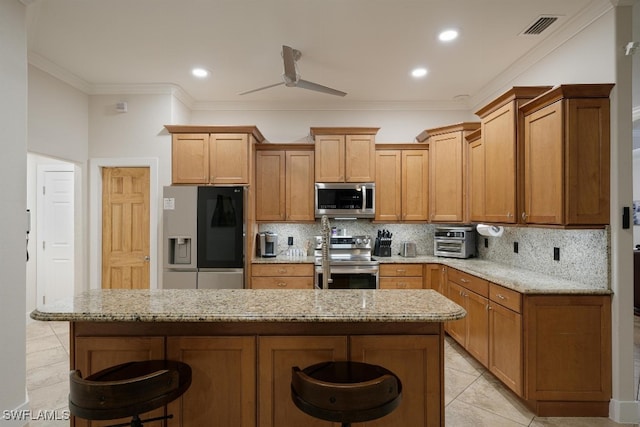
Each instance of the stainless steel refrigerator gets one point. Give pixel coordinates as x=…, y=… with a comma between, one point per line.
x=203, y=237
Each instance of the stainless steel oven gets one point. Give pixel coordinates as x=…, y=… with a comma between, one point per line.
x=455, y=242
x=351, y=266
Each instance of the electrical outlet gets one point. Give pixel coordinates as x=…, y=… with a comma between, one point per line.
x=486, y=242
x=515, y=247
x=556, y=254
x=290, y=240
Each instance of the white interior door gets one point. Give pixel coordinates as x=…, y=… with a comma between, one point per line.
x=55, y=243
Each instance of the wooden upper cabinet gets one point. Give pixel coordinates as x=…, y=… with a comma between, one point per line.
x=475, y=176
x=447, y=171
x=415, y=185
x=344, y=154
x=566, y=156
x=284, y=184
x=388, y=185
x=218, y=155
x=493, y=192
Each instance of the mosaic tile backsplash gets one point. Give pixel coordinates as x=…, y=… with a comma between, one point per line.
x=584, y=254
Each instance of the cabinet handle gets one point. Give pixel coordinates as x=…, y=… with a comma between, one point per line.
x=463, y=280
x=402, y=285
x=282, y=284
x=399, y=270
x=509, y=214
x=500, y=296
x=524, y=216
x=282, y=270
x=488, y=307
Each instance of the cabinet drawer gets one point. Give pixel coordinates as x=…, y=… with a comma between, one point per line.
x=282, y=282
x=401, y=283
x=400, y=270
x=282, y=270
x=505, y=297
x=475, y=284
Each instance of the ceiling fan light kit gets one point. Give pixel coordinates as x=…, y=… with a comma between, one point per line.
x=291, y=77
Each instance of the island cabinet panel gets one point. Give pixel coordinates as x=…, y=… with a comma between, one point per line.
x=223, y=386
x=93, y=354
x=415, y=359
x=276, y=356
x=568, y=354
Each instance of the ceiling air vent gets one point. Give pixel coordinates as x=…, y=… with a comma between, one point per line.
x=541, y=24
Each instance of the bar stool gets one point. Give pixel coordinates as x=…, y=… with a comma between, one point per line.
x=128, y=390
x=345, y=392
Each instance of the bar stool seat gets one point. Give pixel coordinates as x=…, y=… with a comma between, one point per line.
x=346, y=392
x=127, y=390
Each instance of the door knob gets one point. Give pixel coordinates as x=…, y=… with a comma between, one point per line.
x=147, y=258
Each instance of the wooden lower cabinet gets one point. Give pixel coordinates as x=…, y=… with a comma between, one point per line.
x=436, y=277
x=405, y=356
x=223, y=386
x=401, y=276
x=282, y=276
x=505, y=346
x=93, y=354
x=472, y=332
x=277, y=355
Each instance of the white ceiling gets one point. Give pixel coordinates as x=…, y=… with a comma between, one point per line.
x=364, y=47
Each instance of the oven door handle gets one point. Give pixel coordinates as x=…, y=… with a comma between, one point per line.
x=352, y=269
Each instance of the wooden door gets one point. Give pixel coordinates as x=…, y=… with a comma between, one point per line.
x=360, y=158
x=125, y=228
x=415, y=359
x=270, y=186
x=446, y=178
x=223, y=386
x=190, y=158
x=300, y=181
x=477, y=333
x=543, y=166
x=388, y=185
x=276, y=357
x=329, y=158
x=499, y=140
x=505, y=346
x=229, y=158
x=476, y=181
x=415, y=185
x=93, y=354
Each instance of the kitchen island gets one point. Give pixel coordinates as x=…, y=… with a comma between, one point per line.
x=241, y=345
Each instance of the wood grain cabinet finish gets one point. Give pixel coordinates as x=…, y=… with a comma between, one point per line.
x=219, y=155
x=282, y=276
x=493, y=160
x=436, y=277
x=402, y=180
x=223, y=385
x=401, y=276
x=285, y=185
x=344, y=154
x=566, y=158
x=447, y=171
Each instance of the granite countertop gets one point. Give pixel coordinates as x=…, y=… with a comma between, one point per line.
x=518, y=279
x=252, y=305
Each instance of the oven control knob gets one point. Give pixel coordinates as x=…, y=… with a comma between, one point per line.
x=358, y=242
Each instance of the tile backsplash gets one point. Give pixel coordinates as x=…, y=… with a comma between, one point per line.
x=584, y=254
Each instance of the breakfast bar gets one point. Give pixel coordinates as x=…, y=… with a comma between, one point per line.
x=241, y=345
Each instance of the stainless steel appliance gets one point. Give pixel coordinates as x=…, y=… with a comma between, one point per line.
x=408, y=249
x=455, y=242
x=203, y=237
x=350, y=263
x=345, y=200
x=267, y=244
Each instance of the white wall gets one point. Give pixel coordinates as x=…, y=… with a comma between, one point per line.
x=13, y=163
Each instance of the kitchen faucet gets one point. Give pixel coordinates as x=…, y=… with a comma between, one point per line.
x=326, y=267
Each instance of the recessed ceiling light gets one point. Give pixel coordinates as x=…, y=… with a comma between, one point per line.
x=419, y=72
x=448, y=35
x=200, y=72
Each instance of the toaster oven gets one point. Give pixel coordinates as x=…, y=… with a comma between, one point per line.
x=455, y=242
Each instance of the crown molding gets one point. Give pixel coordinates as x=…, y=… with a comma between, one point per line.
x=58, y=72
x=340, y=105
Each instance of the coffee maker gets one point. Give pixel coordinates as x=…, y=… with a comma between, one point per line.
x=266, y=244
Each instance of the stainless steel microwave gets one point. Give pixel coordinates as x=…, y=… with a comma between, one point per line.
x=345, y=200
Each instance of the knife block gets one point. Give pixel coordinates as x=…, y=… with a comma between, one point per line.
x=382, y=247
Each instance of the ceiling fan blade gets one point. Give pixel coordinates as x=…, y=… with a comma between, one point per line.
x=304, y=84
x=289, y=57
x=261, y=88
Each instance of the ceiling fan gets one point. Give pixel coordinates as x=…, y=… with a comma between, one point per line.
x=291, y=77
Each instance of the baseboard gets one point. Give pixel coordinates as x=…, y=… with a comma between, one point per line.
x=18, y=417
x=624, y=412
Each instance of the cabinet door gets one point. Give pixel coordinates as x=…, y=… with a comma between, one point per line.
x=229, y=158
x=401, y=282
x=436, y=277
x=92, y=354
x=446, y=178
x=413, y=359
x=276, y=357
x=329, y=158
x=505, y=346
x=457, y=328
x=190, y=158
x=223, y=386
x=499, y=141
x=415, y=185
x=543, y=168
x=300, y=185
x=360, y=158
x=270, y=186
x=285, y=282
x=476, y=181
x=388, y=188
x=477, y=331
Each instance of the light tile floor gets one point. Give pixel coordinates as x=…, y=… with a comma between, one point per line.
x=473, y=397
